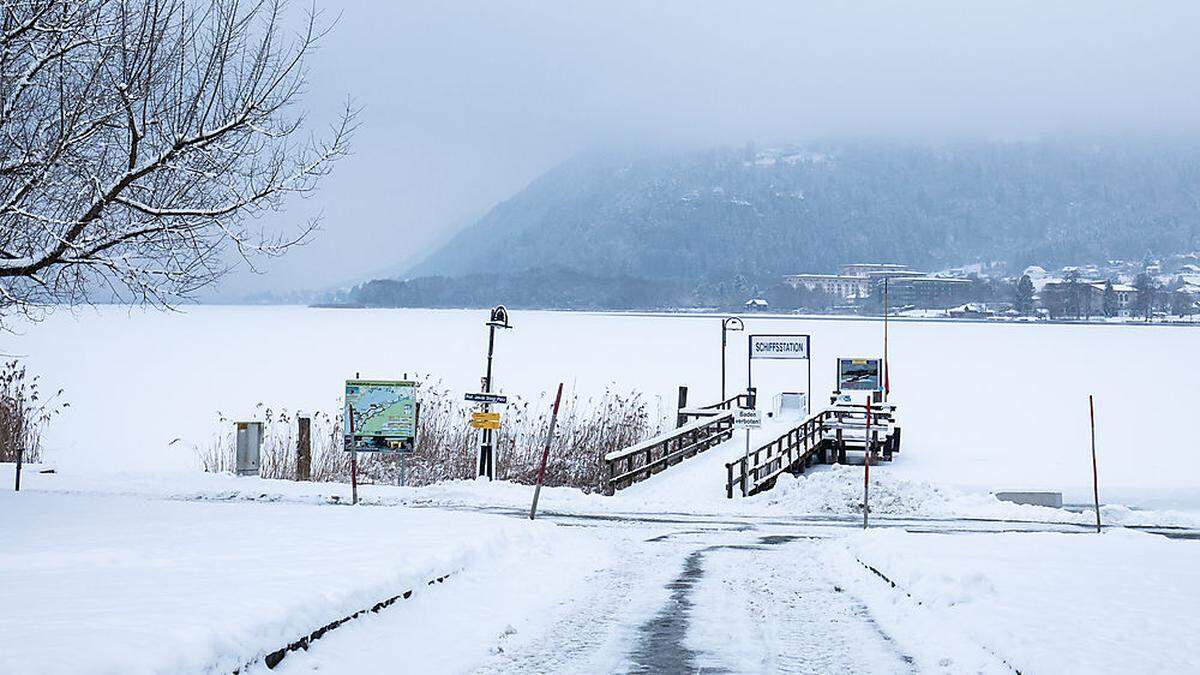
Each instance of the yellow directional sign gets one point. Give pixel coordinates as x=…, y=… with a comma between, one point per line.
x=485, y=420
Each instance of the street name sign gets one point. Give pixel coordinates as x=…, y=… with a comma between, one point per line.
x=500, y=399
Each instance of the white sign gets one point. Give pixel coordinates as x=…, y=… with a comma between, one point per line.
x=779, y=346
x=747, y=419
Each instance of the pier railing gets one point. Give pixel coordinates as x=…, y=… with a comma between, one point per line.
x=823, y=437
x=639, y=462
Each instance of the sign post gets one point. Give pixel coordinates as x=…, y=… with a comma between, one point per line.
x=380, y=416
x=729, y=323
x=747, y=418
x=887, y=383
x=781, y=347
x=497, y=319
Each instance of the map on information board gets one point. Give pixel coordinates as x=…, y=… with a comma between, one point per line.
x=859, y=375
x=380, y=414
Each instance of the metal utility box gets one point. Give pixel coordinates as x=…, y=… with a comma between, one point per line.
x=790, y=404
x=249, y=445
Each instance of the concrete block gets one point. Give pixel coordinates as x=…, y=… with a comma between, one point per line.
x=1051, y=499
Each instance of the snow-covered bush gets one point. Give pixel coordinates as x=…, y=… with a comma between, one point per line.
x=23, y=413
x=447, y=447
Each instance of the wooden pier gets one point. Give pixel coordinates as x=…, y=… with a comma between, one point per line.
x=824, y=437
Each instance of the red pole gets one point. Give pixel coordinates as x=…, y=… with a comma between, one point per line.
x=541, y=474
x=867, y=468
x=1095, y=475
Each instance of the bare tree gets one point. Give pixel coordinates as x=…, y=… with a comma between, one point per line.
x=139, y=140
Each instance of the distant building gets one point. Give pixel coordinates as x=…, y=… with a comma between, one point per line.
x=971, y=310
x=756, y=303
x=928, y=292
x=865, y=269
x=841, y=286
x=1124, y=292
x=1056, y=297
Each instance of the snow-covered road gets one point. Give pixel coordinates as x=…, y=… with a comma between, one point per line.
x=681, y=601
x=672, y=598
x=181, y=574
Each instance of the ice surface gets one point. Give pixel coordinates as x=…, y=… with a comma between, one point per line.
x=982, y=406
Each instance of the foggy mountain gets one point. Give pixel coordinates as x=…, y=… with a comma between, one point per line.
x=780, y=210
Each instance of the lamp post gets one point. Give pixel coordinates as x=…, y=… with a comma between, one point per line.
x=497, y=319
x=727, y=324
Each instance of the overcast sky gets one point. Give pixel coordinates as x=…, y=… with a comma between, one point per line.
x=465, y=103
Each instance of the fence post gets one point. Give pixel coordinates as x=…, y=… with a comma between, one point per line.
x=680, y=418
x=304, y=449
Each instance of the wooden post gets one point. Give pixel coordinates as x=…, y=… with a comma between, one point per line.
x=304, y=449
x=1095, y=475
x=353, y=454
x=353, y=475
x=20, y=454
x=680, y=418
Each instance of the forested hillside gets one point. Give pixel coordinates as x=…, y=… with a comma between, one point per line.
x=706, y=217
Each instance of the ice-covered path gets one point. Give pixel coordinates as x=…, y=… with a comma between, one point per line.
x=209, y=574
x=673, y=598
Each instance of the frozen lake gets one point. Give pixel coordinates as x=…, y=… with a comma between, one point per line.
x=986, y=406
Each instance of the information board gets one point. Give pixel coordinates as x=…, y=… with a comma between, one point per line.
x=859, y=375
x=380, y=415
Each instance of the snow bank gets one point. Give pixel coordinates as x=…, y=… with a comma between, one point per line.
x=103, y=583
x=838, y=490
x=1119, y=602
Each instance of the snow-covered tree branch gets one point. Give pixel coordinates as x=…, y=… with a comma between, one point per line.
x=139, y=140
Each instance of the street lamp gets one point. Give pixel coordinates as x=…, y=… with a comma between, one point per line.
x=727, y=324
x=497, y=319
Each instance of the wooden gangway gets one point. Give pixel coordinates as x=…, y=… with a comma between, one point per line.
x=697, y=430
x=824, y=437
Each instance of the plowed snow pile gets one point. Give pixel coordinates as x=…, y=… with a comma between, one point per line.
x=839, y=491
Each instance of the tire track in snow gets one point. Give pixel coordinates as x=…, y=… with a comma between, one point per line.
x=593, y=629
x=772, y=608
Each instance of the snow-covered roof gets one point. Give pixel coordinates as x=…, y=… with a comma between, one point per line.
x=1120, y=288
